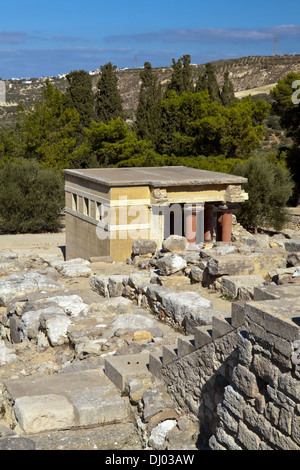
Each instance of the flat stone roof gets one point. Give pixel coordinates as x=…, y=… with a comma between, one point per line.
x=155, y=176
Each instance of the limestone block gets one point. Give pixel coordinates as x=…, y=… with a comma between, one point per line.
x=171, y=263
x=256, y=241
x=175, y=243
x=186, y=304
x=76, y=270
x=157, y=439
x=18, y=286
x=113, y=306
x=45, y=412
x=116, y=285
x=245, y=381
x=98, y=405
x=57, y=328
x=241, y=286
x=292, y=245
x=99, y=284
x=230, y=265
x=144, y=247
x=267, y=260
x=293, y=259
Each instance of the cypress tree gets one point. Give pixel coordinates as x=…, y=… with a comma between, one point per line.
x=80, y=96
x=227, y=93
x=208, y=81
x=148, y=114
x=181, y=80
x=108, y=98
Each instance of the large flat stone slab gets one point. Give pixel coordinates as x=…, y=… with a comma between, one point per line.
x=121, y=368
x=62, y=401
x=241, y=286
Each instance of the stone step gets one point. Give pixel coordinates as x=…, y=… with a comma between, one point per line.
x=155, y=362
x=185, y=345
x=203, y=335
x=169, y=354
x=221, y=325
x=66, y=400
x=119, y=369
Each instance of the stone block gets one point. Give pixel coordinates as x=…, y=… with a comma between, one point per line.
x=292, y=245
x=98, y=406
x=121, y=368
x=221, y=325
x=169, y=354
x=171, y=263
x=143, y=247
x=203, y=336
x=241, y=286
x=275, y=317
x=185, y=345
x=245, y=381
x=46, y=412
x=230, y=265
x=175, y=243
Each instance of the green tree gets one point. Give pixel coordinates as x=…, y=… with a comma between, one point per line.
x=148, y=114
x=113, y=143
x=287, y=106
x=193, y=124
x=46, y=132
x=108, y=99
x=31, y=197
x=208, y=81
x=80, y=96
x=269, y=187
x=227, y=93
x=181, y=79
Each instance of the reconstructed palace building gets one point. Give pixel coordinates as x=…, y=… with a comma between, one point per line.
x=108, y=208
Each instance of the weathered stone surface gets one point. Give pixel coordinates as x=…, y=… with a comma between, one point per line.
x=18, y=286
x=292, y=245
x=132, y=322
x=44, y=413
x=144, y=247
x=268, y=259
x=241, y=286
x=158, y=436
x=196, y=274
x=245, y=381
x=72, y=305
x=57, y=328
x=7, y=353
x=76, y=270
x=175, y=243
x=114, y=306
x=256, y=241
x=186, y=304
x=293, y=259
x=230, y=265
x=170, y=264
x=99, y=284
x=17, y=443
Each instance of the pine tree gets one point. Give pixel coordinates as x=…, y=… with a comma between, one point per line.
x=108, y=99
x=80, y=96
x=208, y=81
x=148, y=114
x=181, y=80
x=227, y=93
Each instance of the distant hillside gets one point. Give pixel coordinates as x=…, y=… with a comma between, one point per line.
x=248, y=74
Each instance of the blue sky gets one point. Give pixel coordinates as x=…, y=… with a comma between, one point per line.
x=40, y=37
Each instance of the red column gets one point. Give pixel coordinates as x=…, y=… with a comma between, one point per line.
x=224, y=223
x=209, y=223
x=191, y=225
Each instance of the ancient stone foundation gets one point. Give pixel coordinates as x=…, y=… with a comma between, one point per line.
x=242, y=382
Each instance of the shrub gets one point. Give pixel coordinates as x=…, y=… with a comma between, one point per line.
x=269, y=188
x=31, y=198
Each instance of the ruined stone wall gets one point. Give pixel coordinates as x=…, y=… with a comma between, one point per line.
x=244, y=387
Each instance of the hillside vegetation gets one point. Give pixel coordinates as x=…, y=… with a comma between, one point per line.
x=181, y=115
